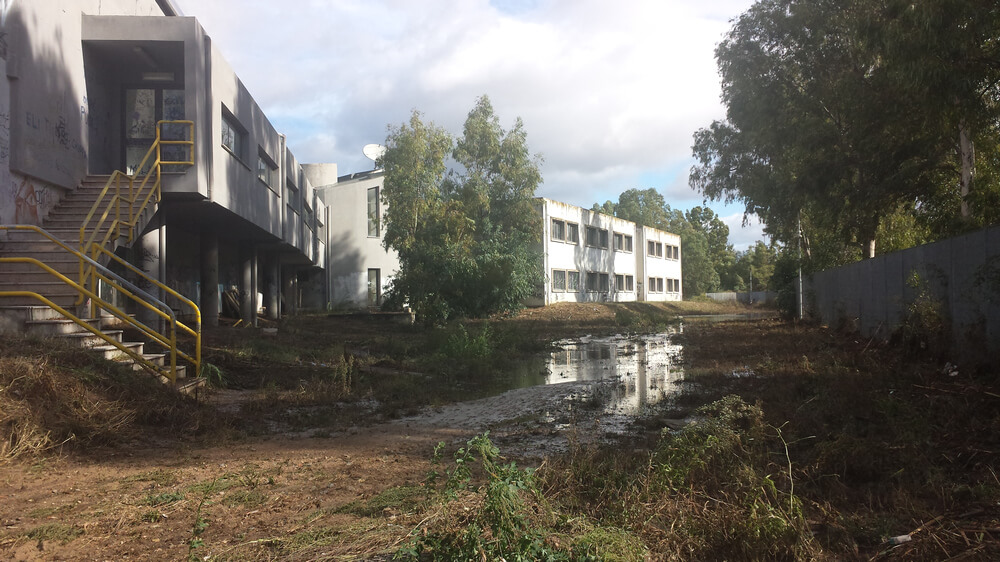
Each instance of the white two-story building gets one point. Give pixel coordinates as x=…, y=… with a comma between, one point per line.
x=589, y=256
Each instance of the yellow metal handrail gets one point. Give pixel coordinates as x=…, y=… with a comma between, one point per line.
x=140, y=193
x=196, y=312
x=170, y=374
x=145, y=301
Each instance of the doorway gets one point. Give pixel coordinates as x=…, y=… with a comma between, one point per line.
x=144, y=107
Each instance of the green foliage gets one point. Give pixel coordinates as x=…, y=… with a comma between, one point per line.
x=847, y=115
x=213, y=375
x=926, y=327
x=500, y=525
x=466, y=240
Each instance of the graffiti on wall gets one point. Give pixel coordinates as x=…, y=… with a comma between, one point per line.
x=27, y=200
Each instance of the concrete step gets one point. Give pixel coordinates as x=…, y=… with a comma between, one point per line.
x=28, y=279
x=56, y=326
x=112, y=353
x=60, y=261
x=89, y=339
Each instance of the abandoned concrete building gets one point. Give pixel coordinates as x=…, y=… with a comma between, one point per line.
x=139, y=179
x=589, y=256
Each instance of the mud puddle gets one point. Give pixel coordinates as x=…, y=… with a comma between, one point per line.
x=585, y=390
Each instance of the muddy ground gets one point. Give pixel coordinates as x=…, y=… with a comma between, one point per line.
x=283, y=492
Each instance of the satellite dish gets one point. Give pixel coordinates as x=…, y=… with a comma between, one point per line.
x=373, y=151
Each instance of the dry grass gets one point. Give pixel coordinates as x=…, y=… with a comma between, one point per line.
x=53, y=396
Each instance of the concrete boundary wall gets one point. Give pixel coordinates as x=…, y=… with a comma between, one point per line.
x=764, y=297
x=875, y=295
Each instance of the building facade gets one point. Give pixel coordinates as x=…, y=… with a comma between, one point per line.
x=359, y=268
x=593, y=257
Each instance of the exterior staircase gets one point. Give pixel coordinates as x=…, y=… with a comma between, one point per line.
x=27, y=315
x=50, y=276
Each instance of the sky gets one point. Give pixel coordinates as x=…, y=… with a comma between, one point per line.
x=610, y=92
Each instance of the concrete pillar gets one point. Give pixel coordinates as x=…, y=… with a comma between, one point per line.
x=248, y=288
x=209, y=279
x=151, y=259
x=290, y=290
x=272, y=285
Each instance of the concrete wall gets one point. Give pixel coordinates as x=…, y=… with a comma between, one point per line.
x=754, y=297
x=961, y=274
x=44, y=108
x=351, y=251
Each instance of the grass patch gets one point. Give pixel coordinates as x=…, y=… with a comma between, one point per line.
x=399, y=499
x=159, y=500
x=54, y=532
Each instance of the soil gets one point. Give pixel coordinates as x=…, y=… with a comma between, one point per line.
x=285, y=495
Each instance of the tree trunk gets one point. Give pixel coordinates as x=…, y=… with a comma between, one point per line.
x=871, y=248
x=967, y=156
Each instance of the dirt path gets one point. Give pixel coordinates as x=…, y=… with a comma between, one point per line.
x=272, y=496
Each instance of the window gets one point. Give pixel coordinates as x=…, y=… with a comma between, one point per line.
x=673, y=253
x=266, y=170
x=233, y=136
x=597, y=237
x=624, y=283
x=558, y=229
x=374, y=288
x=654, y=249
x=674, y=285
x=655, y=284
x=565, y=231
x=598, y=282
x=573, y=281
x=573, y=232
x=558, y=281
x=623, y=242
x=373, y=215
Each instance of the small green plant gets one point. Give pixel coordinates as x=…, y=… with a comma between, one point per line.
x=500, y=525
x=54, y=532
x=200, y=524
x=213, y=375
x=166, y=498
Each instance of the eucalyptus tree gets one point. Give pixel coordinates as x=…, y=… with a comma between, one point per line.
x=815, y=126
x=465, y=236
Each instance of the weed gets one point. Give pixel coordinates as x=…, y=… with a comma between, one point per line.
x=159, y=477
x=246, y=498
x=157, y=500
x=151, y=516
x=200, y=523
x=54, y=532
x=493, y=521
x=214, y=376
x=405, y=499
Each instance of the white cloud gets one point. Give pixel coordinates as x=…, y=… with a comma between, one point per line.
x=610, y=92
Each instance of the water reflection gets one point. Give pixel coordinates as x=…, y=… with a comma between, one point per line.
x=637, y=370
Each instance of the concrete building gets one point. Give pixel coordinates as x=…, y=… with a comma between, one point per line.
x=82, y=86
x=589, y=256
x=359, y=269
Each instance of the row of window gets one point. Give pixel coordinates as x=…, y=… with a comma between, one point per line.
x=656, y=249
x=569, y=232
x=568, y=281
x=234, y=139
x=656, y=285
